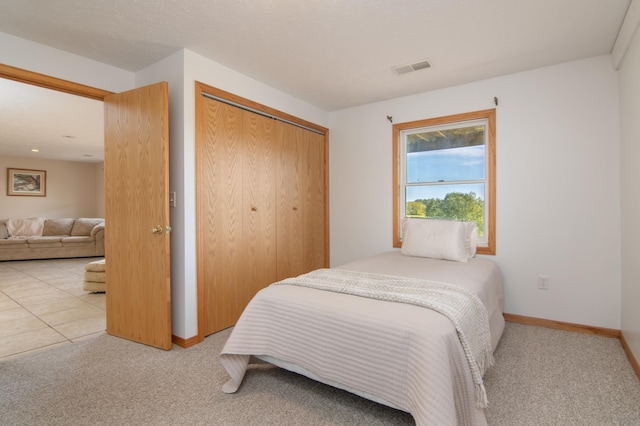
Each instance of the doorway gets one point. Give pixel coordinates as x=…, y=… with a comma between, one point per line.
x=143, y=105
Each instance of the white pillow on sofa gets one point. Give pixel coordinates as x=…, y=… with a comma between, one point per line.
x=438, y=239
x=4, y=233
x=31, y=227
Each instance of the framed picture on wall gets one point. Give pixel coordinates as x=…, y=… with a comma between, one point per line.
x=32, y=183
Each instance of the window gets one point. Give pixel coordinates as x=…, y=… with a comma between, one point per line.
x=444, y=168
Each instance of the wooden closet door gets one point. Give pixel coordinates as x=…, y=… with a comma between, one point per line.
x=261, y=209
x=314, y=202
x=237, y=210
x=220, y=213
x=260, y=150
x=291, y=169
x=301, y=202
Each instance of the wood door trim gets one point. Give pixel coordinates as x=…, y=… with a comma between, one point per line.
x=48, y=82
x=201, y=87
x=560, y=325
x=327, y=212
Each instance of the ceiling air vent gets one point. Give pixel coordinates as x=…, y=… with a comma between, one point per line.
x=403, y=69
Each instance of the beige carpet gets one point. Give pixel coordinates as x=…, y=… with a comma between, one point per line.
x=541, y=377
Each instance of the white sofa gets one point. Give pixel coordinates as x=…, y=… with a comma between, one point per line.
x=39, y=238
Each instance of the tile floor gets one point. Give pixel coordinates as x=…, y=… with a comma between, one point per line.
x=42, y=304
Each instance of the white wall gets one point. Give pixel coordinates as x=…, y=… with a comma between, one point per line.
x=630, y=178
x=72, y=190
x=21, y=53
x=558, y=184
x=99, y=188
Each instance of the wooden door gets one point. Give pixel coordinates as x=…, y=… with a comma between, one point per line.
x=314, y=210
x=301, y=202
x=260, y=149
x=236, y=210
x=255, y=177
x=137, y=237
x=219, y=212
x=291, y=199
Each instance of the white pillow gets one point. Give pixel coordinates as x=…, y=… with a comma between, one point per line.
x=31, y=227
x=4, y=233
x=436, y=239
x=471, y=238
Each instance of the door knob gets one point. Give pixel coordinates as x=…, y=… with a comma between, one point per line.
x=156, y=229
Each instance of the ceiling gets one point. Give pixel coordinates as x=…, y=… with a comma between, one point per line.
x=59, y=125
x=332, y=54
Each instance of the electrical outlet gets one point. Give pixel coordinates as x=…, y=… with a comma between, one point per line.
x=543, y=282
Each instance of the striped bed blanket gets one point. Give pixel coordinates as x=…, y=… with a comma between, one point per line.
x=463, y=308
x=381, y=344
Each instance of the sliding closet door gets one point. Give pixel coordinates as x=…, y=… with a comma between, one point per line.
x=261, y=202
x=237, y=210
x=301, y=202
x=315, y=238
x=260, y=150
x=220, y=213
x=291, y=198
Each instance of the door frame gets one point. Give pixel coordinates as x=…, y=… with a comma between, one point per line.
x=53, y=83
x=48, y=82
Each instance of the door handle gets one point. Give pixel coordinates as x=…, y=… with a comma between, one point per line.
x=156, y=229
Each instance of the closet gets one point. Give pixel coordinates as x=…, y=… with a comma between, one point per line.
x=262, y=210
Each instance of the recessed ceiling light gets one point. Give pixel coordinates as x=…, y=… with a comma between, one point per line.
x=35, y=150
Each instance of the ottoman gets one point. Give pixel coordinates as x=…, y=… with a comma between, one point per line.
x=94, y=277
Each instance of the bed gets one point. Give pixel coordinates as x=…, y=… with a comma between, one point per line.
x=395, y=353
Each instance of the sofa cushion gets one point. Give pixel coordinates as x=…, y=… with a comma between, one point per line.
x=79, y=241
x=29, y=227
x=45, y=242
x=3, y=230
x=14, y=243
x=84, y=225
x=94, y=277
x=57, y=227
x=97, y=266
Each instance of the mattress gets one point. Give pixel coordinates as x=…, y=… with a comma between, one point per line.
x=404, y=356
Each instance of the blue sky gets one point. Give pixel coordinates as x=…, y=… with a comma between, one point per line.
x=445, y=165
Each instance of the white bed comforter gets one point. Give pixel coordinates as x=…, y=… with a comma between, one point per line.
x=404, y=356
